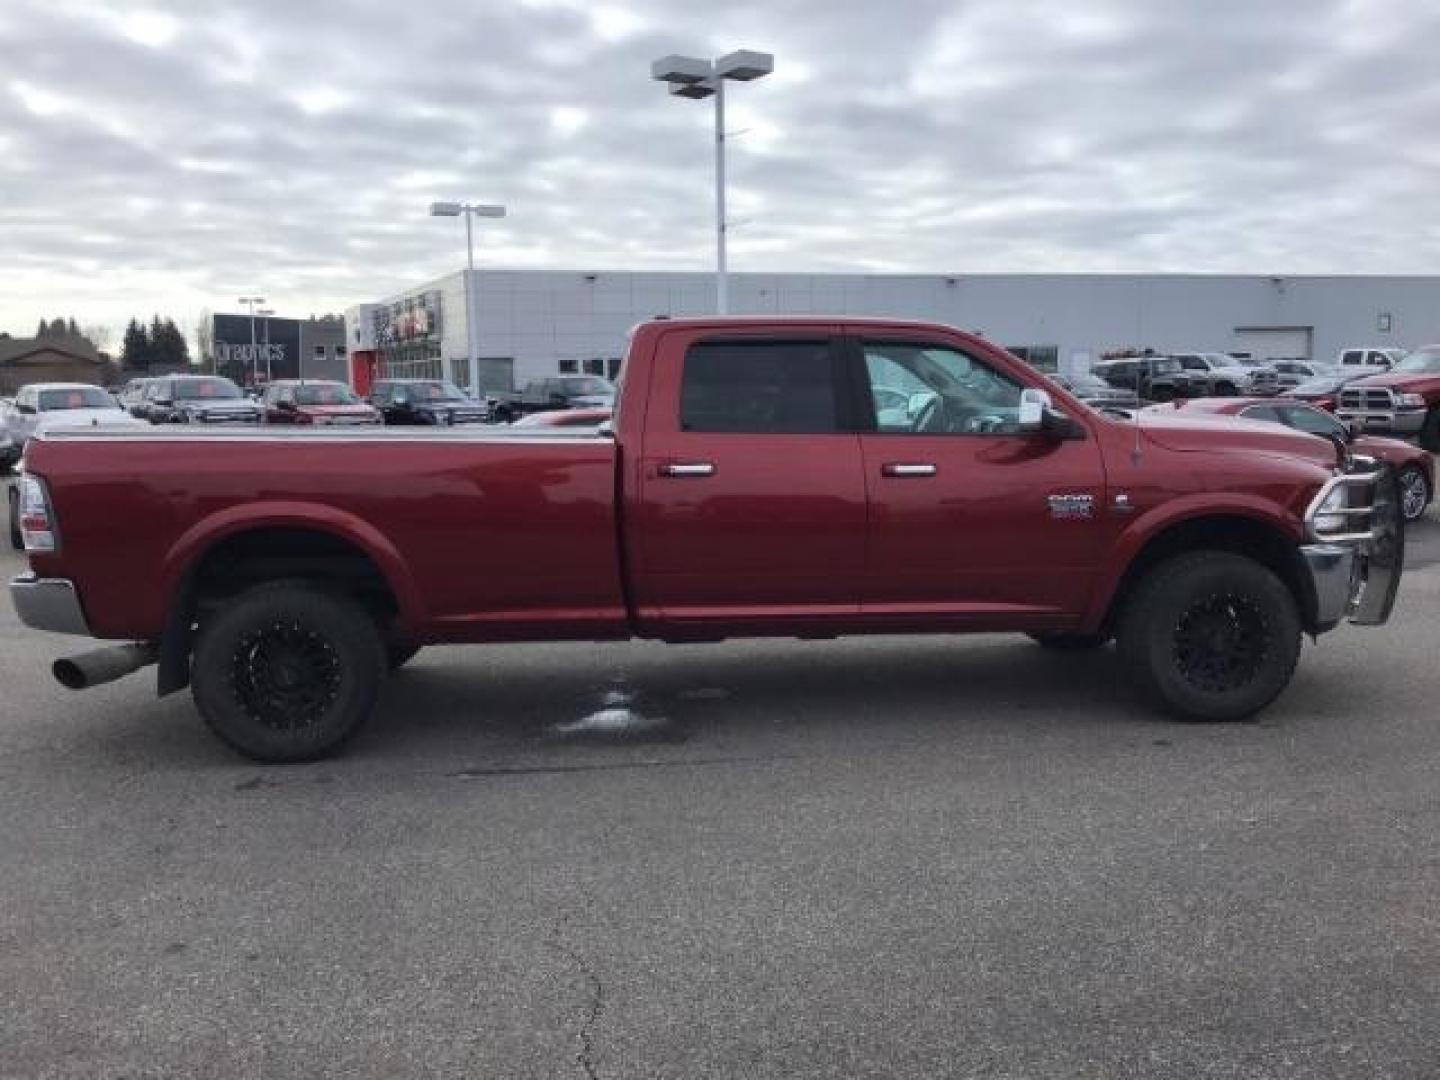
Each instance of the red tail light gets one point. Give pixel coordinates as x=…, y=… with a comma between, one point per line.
x=37, y=518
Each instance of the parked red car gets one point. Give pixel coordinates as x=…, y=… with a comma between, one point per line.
x=800, y=477
x=315, y=401
x=1415, y=468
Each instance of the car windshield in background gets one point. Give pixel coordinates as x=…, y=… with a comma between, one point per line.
x=205, y=389
x=586, y=387
x=1167, y=366
x=324, y=394
x=1420, y=362
x=437, y=391
x=74, y=397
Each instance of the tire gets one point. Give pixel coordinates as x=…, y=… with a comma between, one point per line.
x=1430, y=432
x=264, y=658
x=13, y=516
x=1415, y=492
x=397, y=656
x=1210, y=636
x=1070, y=642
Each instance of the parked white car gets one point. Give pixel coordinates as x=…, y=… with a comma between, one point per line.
x=41, y=406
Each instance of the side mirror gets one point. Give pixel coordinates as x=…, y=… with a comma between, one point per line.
x=1033, y=404
x=28, y=410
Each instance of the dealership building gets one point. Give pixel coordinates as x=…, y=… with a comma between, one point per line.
x=255, y=350
x=535, y=323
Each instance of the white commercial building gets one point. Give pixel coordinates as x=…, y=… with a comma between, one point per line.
x=534, y=323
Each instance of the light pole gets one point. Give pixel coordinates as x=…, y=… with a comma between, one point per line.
x=250, y=302
x=265, y=314
x=692, y=77
x=472, y=331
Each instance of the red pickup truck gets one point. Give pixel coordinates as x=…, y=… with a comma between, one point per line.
x=782, y=477
x=1402, y=401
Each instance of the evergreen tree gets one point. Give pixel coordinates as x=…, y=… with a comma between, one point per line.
x=73, y=328
x=43, y=330
x=57, y=327
x=135, y=348
x=169, y=349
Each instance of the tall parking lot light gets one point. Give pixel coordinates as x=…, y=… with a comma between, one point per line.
x=265, y=314
x=692, y=77
x=472, y=334
x=250, y=302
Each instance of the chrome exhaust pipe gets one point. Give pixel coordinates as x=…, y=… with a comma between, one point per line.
x=104, y=665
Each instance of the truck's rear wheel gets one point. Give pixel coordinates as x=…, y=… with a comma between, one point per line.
x=1211, y=636
x=285, y=672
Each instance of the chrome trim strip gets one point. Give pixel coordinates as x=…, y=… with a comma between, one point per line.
x=48, y=604
x=463, y=433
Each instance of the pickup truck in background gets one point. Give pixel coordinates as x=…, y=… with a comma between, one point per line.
x=1221, y=375
x=802, y=477
x=1402, y=401
x=559, y=392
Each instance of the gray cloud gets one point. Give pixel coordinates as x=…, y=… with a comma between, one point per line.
x=175, y=156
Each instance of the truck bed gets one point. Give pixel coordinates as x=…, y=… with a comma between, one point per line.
x=445, y=515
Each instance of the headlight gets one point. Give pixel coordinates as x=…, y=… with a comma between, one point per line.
x=1327, y=517
x=1409, y=401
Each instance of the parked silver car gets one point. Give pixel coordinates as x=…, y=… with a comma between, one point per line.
x=49, y=405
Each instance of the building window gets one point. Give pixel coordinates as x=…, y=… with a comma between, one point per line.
x=569, y=367
x=339, y=352
x=319, y=352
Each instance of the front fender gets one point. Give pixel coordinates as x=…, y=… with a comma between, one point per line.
x=1195, y=507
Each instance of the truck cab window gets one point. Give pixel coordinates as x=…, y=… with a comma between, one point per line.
x=936, y=390
x=778, y=387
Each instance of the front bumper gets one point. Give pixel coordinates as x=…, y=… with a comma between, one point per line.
x=51, y=604
x=1355, y=574
x=1400, y=421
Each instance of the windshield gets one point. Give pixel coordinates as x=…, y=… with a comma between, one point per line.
x=586, y=386
x=1424, y=361
x=208, y=389
x=436, y=391
x=74, y=397
x=1166, y=365
x=325, y=394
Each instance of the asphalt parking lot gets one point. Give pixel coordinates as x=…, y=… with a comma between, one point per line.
x=887, y=857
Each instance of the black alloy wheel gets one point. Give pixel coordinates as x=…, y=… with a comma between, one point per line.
x=1221, y=642
x=1210, y=635
x=287, y=671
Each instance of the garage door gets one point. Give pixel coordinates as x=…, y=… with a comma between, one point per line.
x=1273, y=343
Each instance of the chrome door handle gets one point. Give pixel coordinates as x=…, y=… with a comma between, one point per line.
x=681, y=469
x=904, y=471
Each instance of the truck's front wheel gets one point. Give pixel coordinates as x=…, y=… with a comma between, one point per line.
x=1211, y=635
x=286, y=672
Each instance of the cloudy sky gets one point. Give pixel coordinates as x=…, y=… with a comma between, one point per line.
x=175, y=155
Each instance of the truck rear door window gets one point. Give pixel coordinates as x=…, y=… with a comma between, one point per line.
x=780, y=387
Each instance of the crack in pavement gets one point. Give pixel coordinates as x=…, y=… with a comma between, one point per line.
x=611, y=766
x=585, y=1056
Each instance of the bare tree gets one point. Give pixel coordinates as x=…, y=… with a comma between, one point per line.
x=99, y=335
x=205, y=339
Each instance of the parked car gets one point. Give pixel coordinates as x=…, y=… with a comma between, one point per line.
x=1221, y=375
x=1414, y=468
x=1291, y=373
x=132, y=396
x=1370, y=358
x=559, y=392
x=1096, y=392
x=197, y=399
x=1150, y=378
x=1323, y=391
x=431, y=402
x=748, y=488
x=315, y=401
x=41, y=405
x=564, y=418
x=1404, y=400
